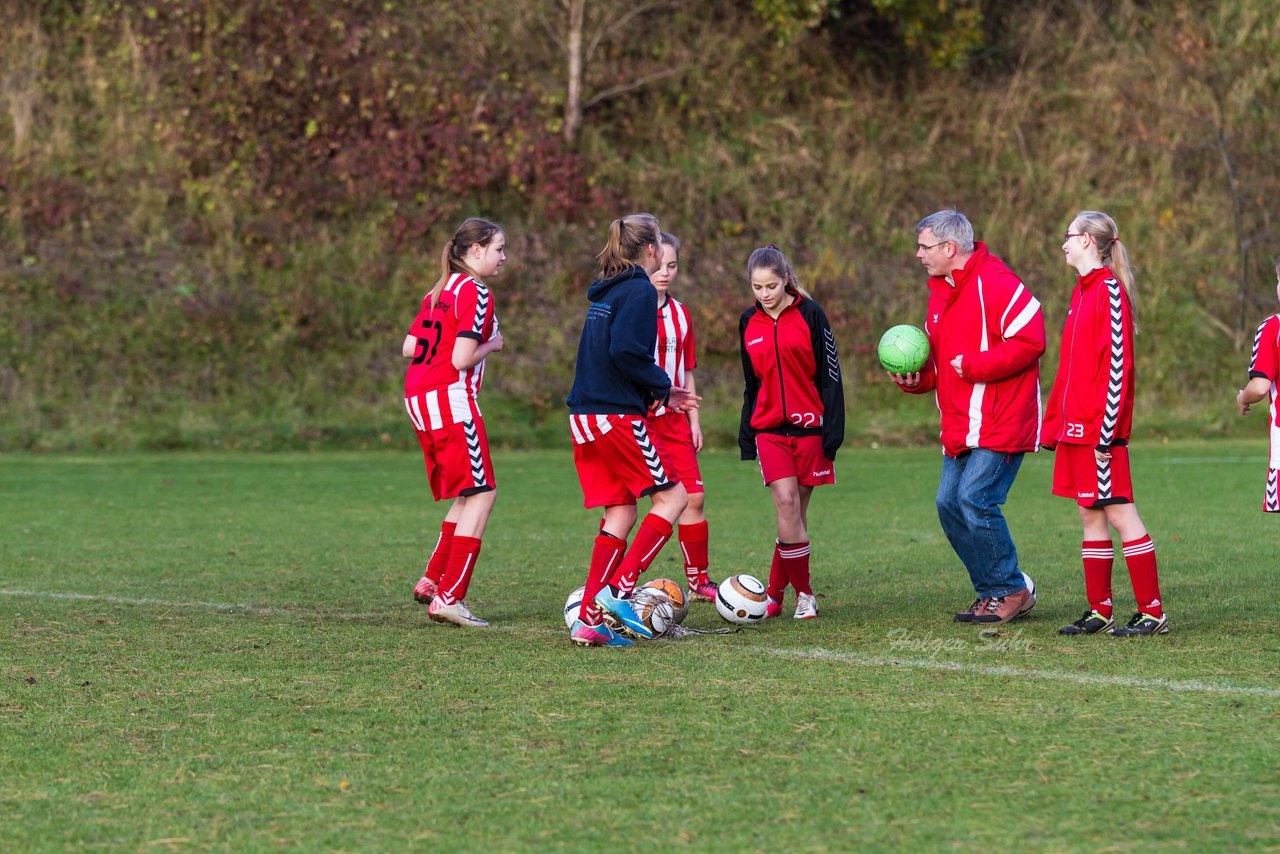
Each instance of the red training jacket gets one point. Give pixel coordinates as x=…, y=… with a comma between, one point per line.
x=985, y=314
x=1091, y=402
x=791, y=372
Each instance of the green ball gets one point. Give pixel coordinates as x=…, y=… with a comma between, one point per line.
x=903, y=349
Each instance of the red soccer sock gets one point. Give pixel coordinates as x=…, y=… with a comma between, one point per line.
x=462, y=562
x=649, y=540
x=795, y=562
x=439, y=561
x=1098, y=556
x=605, y=555
x=693, y=544
x=1140, y=557
x=777, y=589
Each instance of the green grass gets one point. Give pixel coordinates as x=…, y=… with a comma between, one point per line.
x=246, y=670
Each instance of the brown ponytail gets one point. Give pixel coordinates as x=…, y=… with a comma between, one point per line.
x=453, y=258
x=628, y=238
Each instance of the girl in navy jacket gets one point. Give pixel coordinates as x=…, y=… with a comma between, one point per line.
x=792, y=412
x=616, y=381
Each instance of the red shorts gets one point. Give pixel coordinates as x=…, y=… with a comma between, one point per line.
x=457, y=456
x=794, y=456
x=1078, y=474
x=672, y=432
x=617, y=461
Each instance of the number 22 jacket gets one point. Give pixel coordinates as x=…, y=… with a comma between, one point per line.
x=792, y=375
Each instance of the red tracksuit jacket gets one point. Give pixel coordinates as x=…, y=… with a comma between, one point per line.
x=990, y=318
x=792, y=374
x=1091, y=402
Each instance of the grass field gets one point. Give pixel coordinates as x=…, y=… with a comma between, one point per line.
x=220, y=652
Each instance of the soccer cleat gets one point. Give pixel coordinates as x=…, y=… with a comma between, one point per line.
x=458, y=613
x=967, y=615
x=1090, y=623
x=706, y=590
x=583, y=635
x=1002, y=609
x=1142, y=624
x=806, y=606
x=609, y=601
x=773, y=608
x=424, y=591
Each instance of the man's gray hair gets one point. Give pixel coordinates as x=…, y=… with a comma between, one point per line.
x=949, y=225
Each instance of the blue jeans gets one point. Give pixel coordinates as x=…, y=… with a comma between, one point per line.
x=970, y=492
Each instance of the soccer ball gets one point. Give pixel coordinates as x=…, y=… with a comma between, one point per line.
x=679, y=602
x=741, y=599
x=572, y=605
x=1031, y=585
x=654, y=609
x=903, y=349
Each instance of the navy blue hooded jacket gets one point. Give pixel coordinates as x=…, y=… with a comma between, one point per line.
x=616, y=373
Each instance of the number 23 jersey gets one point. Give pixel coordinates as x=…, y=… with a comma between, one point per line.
x=464, y=309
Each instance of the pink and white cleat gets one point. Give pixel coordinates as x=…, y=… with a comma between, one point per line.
x=424, y=591
x=773, y=609
x=705, y=590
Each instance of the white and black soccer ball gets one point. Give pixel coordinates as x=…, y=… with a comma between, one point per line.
x=1031, y=585
x=572, y=605
x=741, y=599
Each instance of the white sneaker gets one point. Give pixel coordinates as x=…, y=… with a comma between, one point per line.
x=806, y=606
x=458, y=613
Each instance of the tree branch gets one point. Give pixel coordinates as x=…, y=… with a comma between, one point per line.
x=620, y=89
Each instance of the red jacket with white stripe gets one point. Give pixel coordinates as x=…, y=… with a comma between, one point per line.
x=463, y=309
x=985, y=314
x=1091, y=402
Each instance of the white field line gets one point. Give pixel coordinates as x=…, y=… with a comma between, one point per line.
x=853, y=659
x=1149, y=684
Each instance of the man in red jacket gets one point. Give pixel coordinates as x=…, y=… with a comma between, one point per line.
x=986, y=336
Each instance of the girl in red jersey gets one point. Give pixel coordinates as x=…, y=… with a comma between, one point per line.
x=1088, y=421
x=680, y=433
x=454, y=331
x=792, y=412
x=1264, y=373
x=615, y=384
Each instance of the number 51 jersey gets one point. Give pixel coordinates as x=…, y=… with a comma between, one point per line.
x=445, y=394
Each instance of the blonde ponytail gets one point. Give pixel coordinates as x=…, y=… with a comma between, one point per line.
x=1106, y=236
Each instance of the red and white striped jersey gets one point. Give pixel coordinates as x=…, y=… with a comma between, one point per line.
x=1265, y=363
x=436, y=393
x=674, y=351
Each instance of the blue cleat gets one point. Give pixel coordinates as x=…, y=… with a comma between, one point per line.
x=609, y=600
x=601, y=635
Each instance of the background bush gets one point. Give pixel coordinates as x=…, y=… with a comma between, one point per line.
x=218, y=217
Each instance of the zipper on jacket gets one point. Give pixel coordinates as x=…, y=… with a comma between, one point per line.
x=777, y=355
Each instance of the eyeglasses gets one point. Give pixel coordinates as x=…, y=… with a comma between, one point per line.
x=920, y=247
x=1071, y=234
